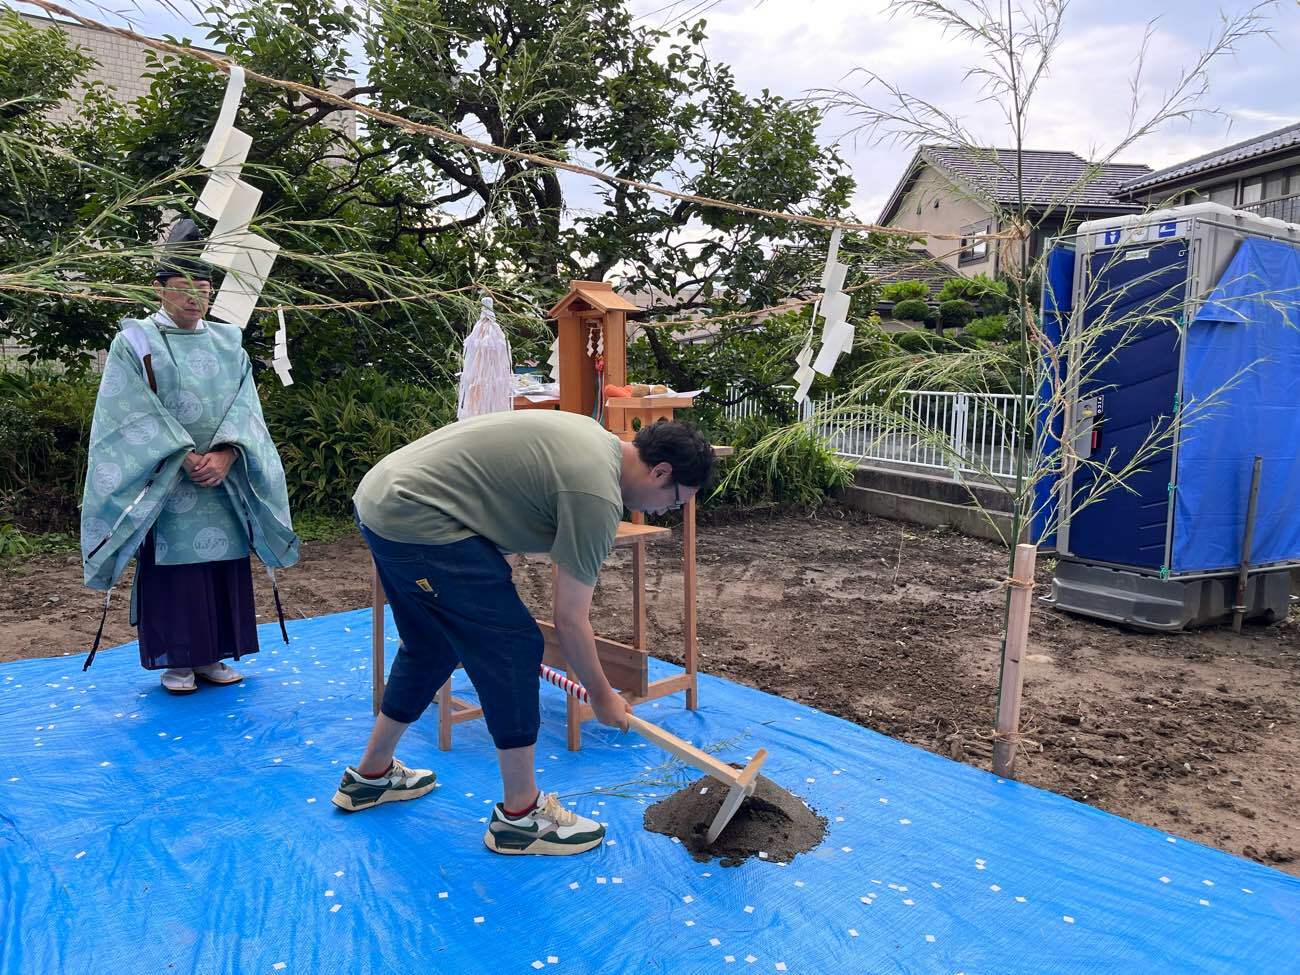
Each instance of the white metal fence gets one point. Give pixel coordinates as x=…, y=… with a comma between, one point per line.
x=965, y=433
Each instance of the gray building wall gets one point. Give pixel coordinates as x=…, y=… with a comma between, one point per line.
x=121, y=65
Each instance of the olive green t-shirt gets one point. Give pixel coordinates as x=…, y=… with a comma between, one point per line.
x=528, y=481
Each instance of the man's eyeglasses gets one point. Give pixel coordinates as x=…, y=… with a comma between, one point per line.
x=677, y=498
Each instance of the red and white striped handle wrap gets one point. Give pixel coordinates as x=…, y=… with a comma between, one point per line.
x=565, y=684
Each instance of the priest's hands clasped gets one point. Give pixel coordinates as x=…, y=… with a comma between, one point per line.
x=210, y=469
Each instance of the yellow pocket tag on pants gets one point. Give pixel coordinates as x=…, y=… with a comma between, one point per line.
x=424, y=584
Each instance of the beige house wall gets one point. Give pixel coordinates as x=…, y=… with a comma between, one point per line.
x=121, y=65
x=934, y=205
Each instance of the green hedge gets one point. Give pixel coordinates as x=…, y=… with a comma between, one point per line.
x=956, y=313
x=990, y=328
x=44, y=430
x=331, y=433
x=801, y=473
x=911, y=310
x=903, y=290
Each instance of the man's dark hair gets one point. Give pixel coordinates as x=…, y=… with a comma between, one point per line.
x=679, y=445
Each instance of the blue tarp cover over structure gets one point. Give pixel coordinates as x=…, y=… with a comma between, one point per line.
x=142, y=833
x=1244, y=346
x=1058, y=302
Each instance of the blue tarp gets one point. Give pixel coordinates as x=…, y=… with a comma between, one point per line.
x=142, y=833
x=1244, y=345
x=1058, y=302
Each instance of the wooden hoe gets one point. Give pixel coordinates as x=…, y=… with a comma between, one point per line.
x=741, y=781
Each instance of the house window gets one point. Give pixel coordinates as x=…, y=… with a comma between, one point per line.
x=1252, y=191
x=1226, y=194
x=1275, y=185
x=974, y=251
x=1293, y=182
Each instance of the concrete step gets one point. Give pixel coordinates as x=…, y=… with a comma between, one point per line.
x=933, y=487
x=965, y=518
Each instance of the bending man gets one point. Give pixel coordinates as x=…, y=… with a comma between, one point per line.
x=439, y=516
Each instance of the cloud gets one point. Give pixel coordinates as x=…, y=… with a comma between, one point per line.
x=793, y=46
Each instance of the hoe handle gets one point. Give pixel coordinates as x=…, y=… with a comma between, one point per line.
x=670, y=743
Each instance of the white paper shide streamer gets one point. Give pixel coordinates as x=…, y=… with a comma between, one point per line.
x=280, y=358
x=487, y=382
x=837, y=332
x=245, y=257
x=554, y=360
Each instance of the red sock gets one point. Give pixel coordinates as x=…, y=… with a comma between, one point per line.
x=522, y=812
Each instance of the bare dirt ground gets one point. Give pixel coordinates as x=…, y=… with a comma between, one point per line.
x=894, y=627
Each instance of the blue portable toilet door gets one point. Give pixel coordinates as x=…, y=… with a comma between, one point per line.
x=1132, y=365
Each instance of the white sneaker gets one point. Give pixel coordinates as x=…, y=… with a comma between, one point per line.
x=549, y=830
x=219, y=673
x=179, y=681
x=399, y=782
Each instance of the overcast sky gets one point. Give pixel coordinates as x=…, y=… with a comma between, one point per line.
x=793, y=46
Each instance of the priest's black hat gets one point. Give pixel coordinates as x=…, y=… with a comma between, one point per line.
x=180, y=254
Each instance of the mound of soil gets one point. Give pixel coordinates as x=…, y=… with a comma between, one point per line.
x=772, y=824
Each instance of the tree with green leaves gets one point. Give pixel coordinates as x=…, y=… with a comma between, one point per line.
x=569, y=80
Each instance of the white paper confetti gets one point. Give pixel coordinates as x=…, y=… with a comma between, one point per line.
x=335, y=908
x=479, y=919
x=79, y=855
x=1067, y=919
x=853, y=933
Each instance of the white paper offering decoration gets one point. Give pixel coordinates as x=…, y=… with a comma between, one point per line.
x=554, y=360
x=246, y=258
x=487, y=383
x=280, y=357
x=837, y=333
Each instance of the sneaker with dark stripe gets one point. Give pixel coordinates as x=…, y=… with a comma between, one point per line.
x=547, y=830
x=398, y=783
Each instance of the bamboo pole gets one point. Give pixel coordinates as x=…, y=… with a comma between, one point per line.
x=1006, y=740
x=691, y=648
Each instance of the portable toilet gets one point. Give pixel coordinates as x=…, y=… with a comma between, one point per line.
x=1179, y=339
